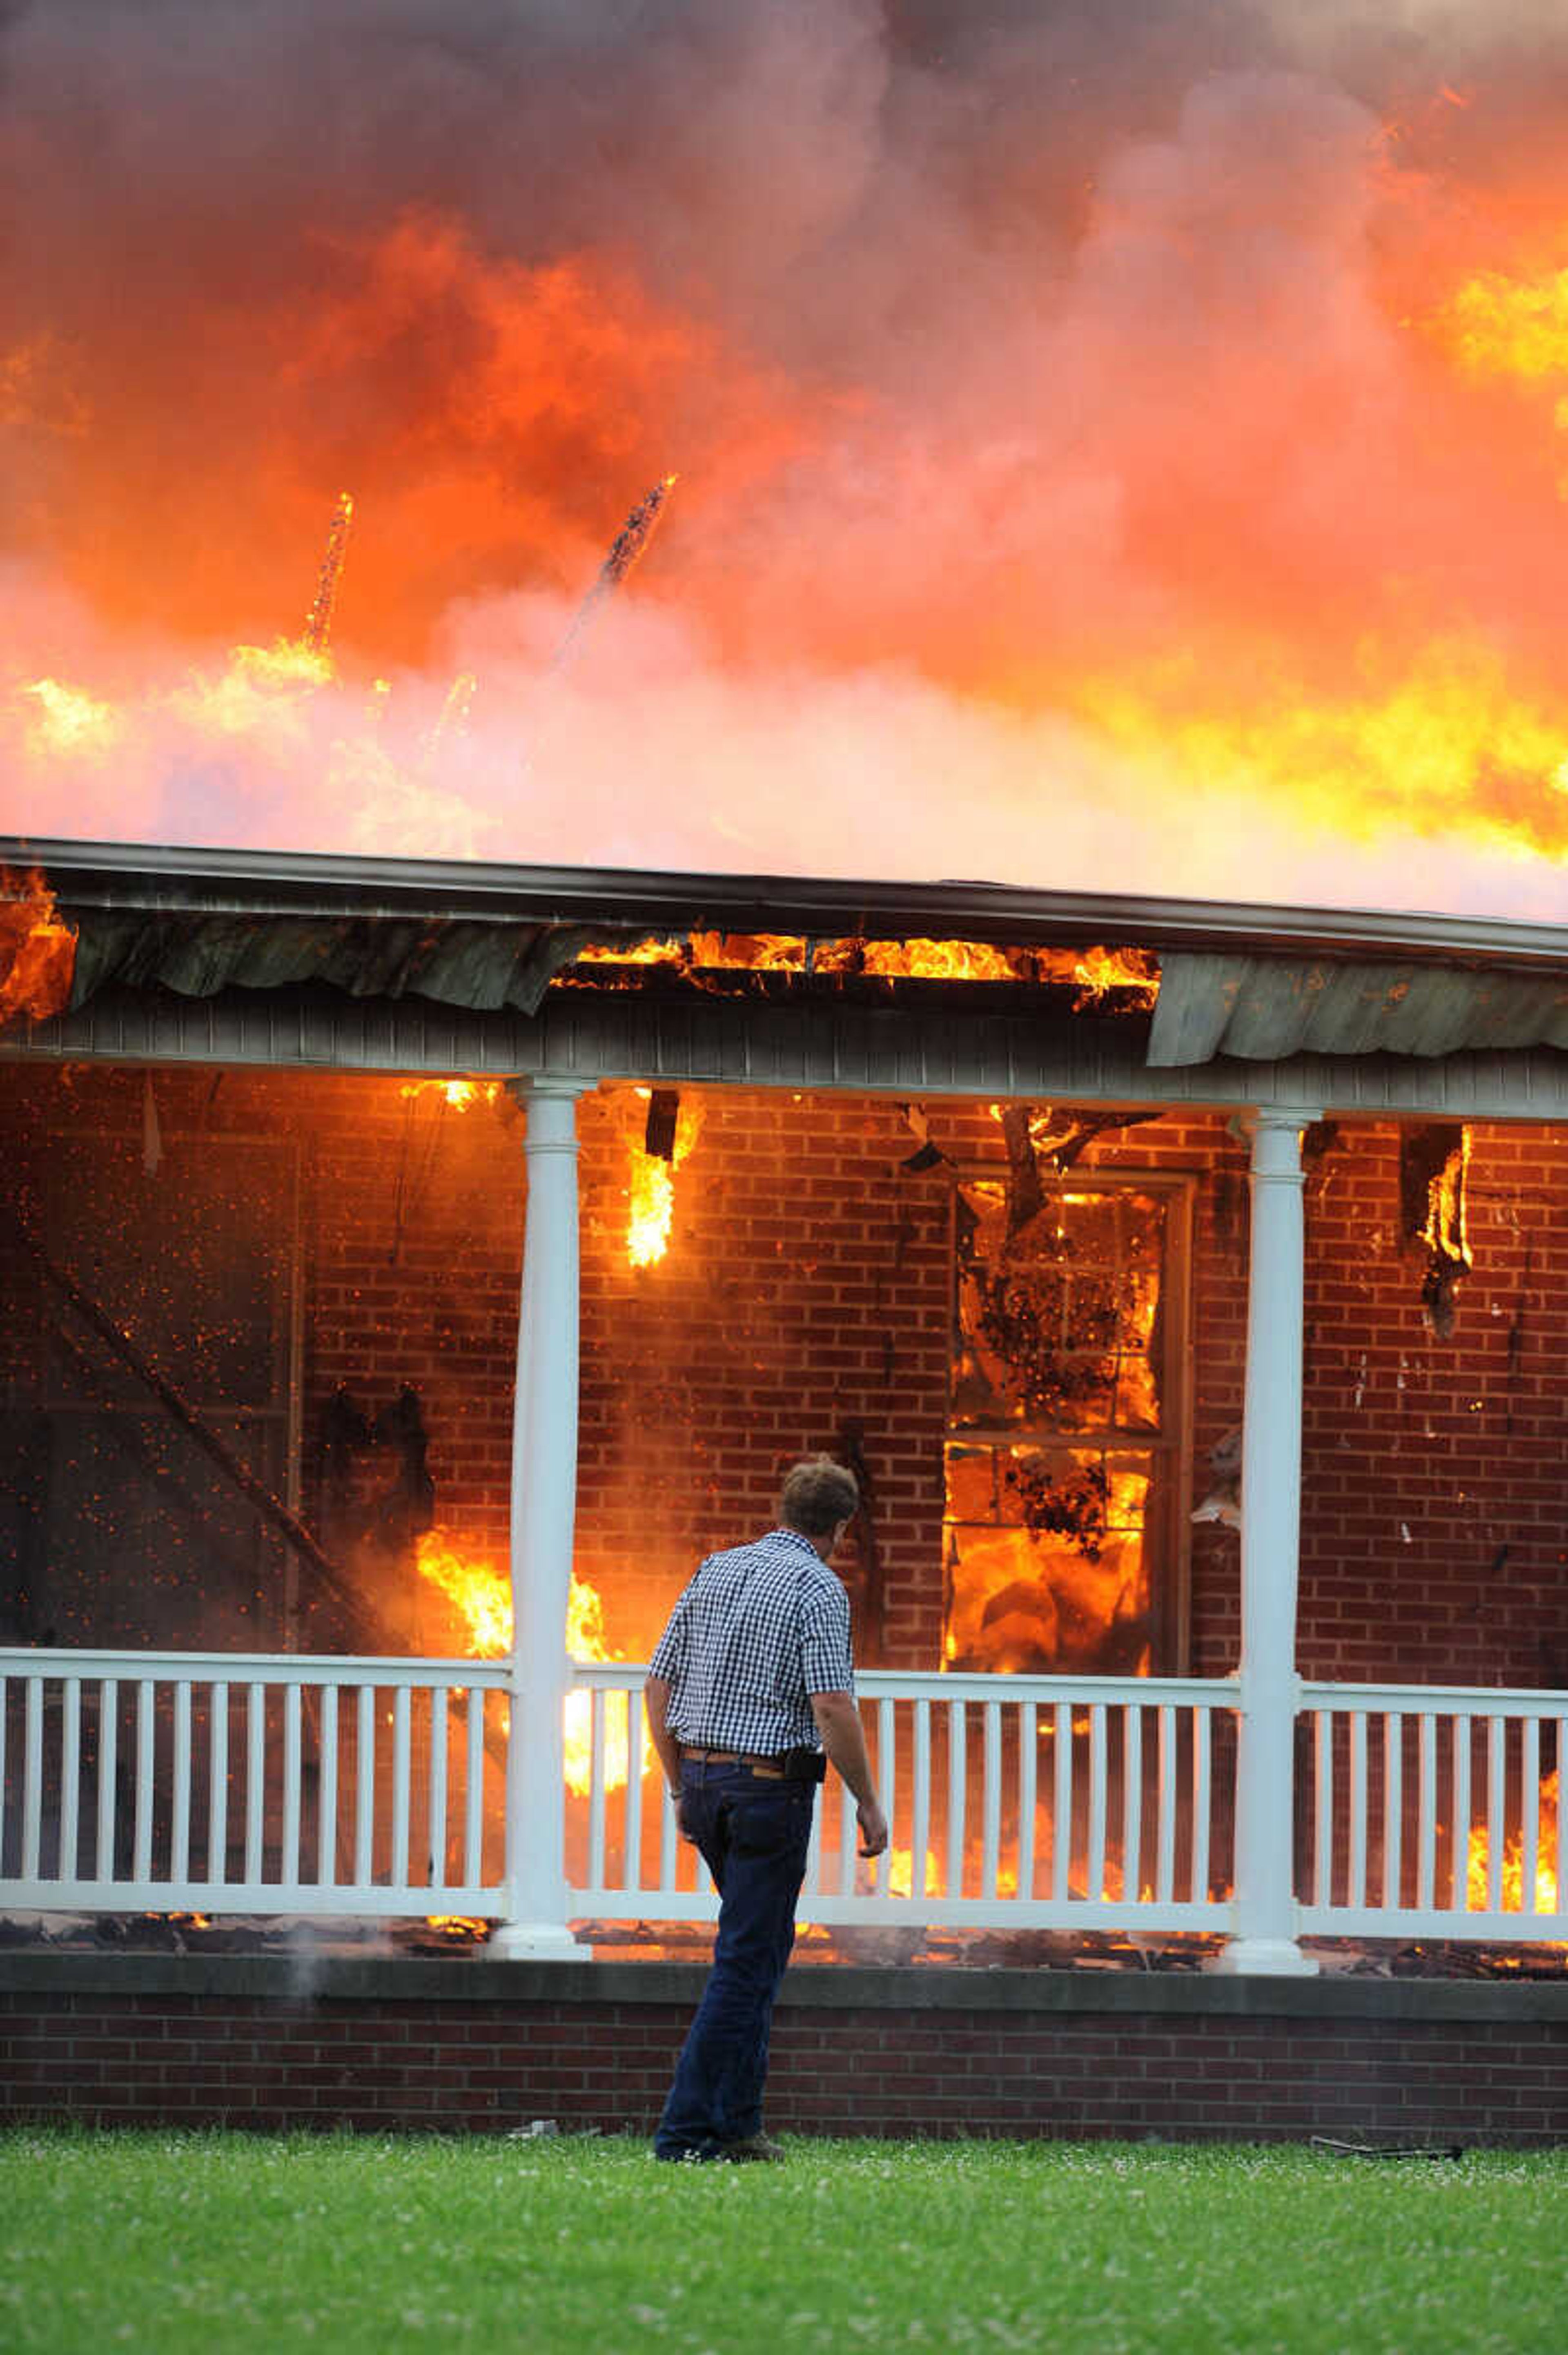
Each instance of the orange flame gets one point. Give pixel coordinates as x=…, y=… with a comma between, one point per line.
x=650, y=1183
x=69, y=722
x=38, y=950
x=483, y=1599
x=459, y=1095
x=1510, y=1878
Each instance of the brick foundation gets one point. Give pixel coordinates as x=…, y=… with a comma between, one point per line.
x=477, y=2047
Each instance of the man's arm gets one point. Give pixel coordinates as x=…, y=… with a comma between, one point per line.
x=656, y=1694
x=844, y=1739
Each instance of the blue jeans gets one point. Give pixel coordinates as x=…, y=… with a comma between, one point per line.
x=752, y=1831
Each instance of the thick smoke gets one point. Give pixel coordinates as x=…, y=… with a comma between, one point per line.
x=1077, y=482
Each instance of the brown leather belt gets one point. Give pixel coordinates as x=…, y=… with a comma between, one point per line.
x=737, y=1758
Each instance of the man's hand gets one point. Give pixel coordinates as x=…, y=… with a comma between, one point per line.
x=844, y=1739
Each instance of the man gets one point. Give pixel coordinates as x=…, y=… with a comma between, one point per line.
x=751, y=1685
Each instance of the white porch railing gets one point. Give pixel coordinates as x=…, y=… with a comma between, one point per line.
x=231, y=1783
x=1430, y=1812
x=1014, y=1802
x=227, y=1784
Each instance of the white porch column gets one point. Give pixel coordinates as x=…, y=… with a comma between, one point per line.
x=1271, y=1534
x=544, y=1496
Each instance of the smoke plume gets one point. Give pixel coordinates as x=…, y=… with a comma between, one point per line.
x=1092, y=471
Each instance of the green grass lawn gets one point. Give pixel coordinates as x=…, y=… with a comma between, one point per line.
x=215, y=2241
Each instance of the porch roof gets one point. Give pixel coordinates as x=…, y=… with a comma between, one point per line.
x=171, y=878
x=1256, y=1002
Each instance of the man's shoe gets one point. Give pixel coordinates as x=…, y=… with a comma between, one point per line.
x=750, y=2148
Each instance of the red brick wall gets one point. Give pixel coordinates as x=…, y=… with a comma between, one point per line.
x=843, y=2062
x=806, y=1288
x=1435, y=1472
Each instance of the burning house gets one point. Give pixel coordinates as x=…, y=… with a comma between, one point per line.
x=1181, y=1282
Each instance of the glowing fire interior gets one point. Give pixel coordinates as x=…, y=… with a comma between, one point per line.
x=1093, y=972
x=1056, y=1429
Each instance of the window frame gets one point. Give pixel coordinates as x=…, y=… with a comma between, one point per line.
x=1172, y=1533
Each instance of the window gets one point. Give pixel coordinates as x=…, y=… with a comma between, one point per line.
x=1066, y=1449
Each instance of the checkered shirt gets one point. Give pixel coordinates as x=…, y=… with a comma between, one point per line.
x=756, y=1632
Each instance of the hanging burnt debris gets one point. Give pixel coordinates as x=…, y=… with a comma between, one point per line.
x=376, y=1493
x=1069, y=1499
x=1433, y=1172
x=660, y=1134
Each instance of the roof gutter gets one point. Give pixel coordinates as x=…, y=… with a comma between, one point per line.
x=322, y=884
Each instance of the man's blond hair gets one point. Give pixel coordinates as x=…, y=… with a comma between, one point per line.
x=817, y=1496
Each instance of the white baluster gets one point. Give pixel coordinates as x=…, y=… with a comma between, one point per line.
x=327, y=1793
x=1497, y=1793
x=596, y=1772
x=919, y=1813
x=71, y=1776
x=1426, y=1861
x=179, y=1836
x=887, y=1783
x=1464, y=1735
x=33, y=1779
x=991, y=1820
x=142, y=1869
x=255, y=1780
x=1061, y=1805
x=289, y=1863
x=436, y=1868
x=365, y=1789
x=1530, y=1802
x=1165, y=1834
x=1029, y=1799
x=957, y=1796
x=1323, y=1777
x=473, y=1791
x=1393, y=1808
x=402, y=1785
x=1202, y=1799
x=217, y=1785
x=1094, y=1861
x=1358, y=1889
x=1132, y=1802
x=632, y=1875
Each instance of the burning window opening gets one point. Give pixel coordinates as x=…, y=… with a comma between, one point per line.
x=1057, y=1458
x=38, y=950
x=1097, y=973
